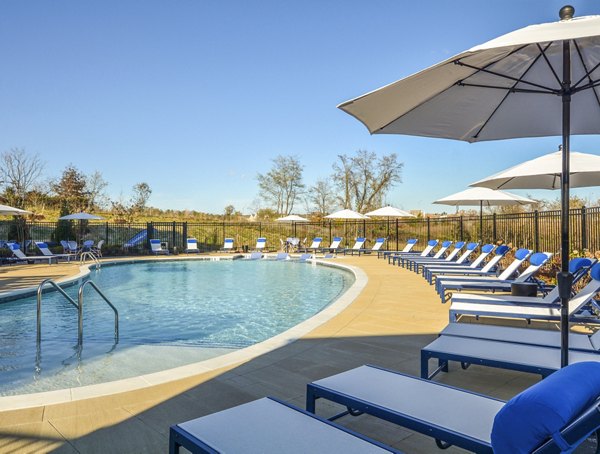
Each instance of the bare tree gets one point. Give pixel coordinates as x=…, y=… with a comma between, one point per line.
x=321, y=197
x=19, y=172
x=96, y=186
x=282, y=185
x=363, y=180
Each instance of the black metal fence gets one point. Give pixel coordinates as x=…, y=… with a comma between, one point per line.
x=538, y=230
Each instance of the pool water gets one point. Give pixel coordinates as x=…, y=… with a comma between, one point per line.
x=170, y=314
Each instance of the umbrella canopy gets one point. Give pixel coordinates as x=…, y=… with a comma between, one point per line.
x=292, y=218
x=537, y=81
x=545, y=172
x=6, y=210
x=483, y=197
x=390, y=212
x=81, y=217
x=508, y=87
x=346, y=214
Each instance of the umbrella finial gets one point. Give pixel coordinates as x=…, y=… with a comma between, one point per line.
x=566, y=12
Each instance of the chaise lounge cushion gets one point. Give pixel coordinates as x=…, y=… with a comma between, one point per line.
x=538, y=413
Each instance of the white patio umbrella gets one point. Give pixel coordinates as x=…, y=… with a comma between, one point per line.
x=390, y=212
x=544, y=173
x=538, y=81
x=80, y=217
x=293, y=218
x=6, y=210
x=346, y=214
x=483, y=197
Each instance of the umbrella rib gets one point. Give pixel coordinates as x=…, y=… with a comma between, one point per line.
x=509, y=89
x=505, y=96
x=504, y=76
x=587, y=74
x=543, y=53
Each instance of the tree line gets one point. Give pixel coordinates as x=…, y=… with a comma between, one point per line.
x=359, y=182
x=23, y=185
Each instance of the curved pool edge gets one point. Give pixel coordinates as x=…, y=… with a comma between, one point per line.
x=66, y=395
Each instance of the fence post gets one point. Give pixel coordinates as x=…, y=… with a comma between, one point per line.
x=149, y=230
x=106, y=232
x=461, y=228
x=494, y=233
x=329, y=232
x=428, y=229
x=584, y=242
x=260, y=229
x=184, y=235
x=536, y=230
x=396, y=233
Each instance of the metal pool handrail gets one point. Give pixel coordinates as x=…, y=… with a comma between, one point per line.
x=80, y=298
x=68, y=298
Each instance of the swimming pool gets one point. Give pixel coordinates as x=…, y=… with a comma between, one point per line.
x=171, y=313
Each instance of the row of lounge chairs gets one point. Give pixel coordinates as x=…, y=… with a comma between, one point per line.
x=541, y=419
x=70, y=248
x=555, y=415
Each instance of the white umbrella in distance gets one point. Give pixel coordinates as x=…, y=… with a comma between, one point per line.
x=544, y=173
x=346, y=214
x=6, y=210
x=540, y=80
x=293, y=218
x=483, y=197
x=80, y=217
x=390, y=212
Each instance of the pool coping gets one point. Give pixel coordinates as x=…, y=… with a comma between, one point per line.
x=156, y=378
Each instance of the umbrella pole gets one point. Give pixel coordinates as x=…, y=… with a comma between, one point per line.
x=481, y=221
x=564, y=278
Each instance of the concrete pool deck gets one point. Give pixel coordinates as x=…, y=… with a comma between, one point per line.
x=395, y=315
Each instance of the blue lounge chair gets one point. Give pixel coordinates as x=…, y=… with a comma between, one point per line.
x=334, y=246
x=20, y=256
x=442, y=284
x=43, y=247
x=403, y=260
x=156, y=247
x=392, y=258
x=579, y=267
x=261, y=244
x=431, y=273
x=417, y=264
x=282, y=256
x=532, y=310
x=255, y=256
x=537, y=420
x=268, y=426
x=227, y=245
x=191, y=246
x=410, y=243
x=305, y=257
x=529, y=350
x=314, y=246
x=358, y=246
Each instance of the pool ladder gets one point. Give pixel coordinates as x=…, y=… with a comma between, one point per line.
x=89, y=255
x=78, y=305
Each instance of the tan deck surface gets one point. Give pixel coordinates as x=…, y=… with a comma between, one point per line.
x=395, y=315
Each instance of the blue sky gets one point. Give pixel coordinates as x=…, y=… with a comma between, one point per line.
x=196, y=97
